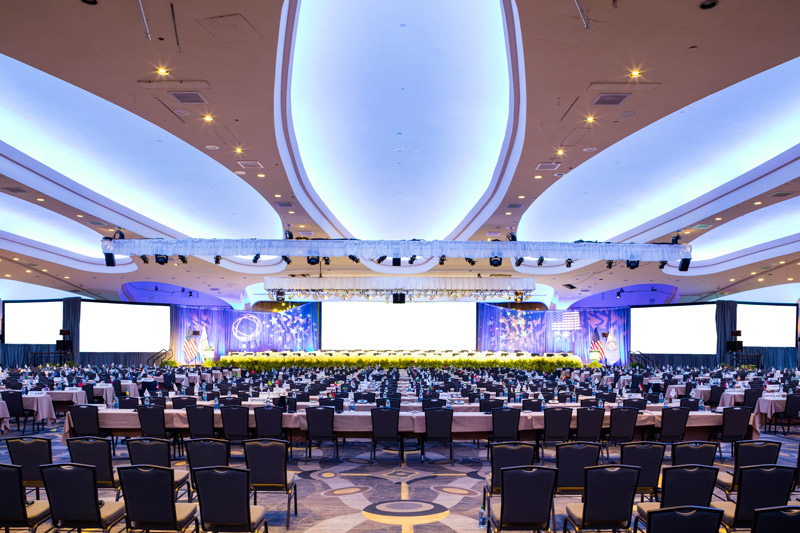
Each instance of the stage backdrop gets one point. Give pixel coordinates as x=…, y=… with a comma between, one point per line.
x=577, y=331
x=200, y=333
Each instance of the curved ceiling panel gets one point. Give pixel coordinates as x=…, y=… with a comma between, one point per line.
x=126, y=158
x=676, y=159
x=400, y=110
x=787, y=293
x=20, y=290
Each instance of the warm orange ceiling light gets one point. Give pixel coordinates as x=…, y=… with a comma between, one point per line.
x=760, y=279
x=537, y=177
x=635, y=74
x=161, y=71
x=208, y=118
x=789, y=279
x=718, y=218
x=560, y=151
x=291, y=212
x=756, y=203
x=239, y=150
x=732, y=279
x=261, y=175
x=590, y=119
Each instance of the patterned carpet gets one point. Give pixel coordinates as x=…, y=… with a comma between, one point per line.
x=354, y=495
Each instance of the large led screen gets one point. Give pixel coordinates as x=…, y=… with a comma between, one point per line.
x=32, y=322
x=112, y=327
x=767, y=325
x=674, y=329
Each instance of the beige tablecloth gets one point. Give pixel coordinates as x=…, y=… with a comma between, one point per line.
x=75, y=395
x=106, y=392
x=730, y=398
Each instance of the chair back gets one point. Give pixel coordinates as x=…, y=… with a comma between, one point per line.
x=438, y=424
x=556, y=423
x=486, y=405
x=716, y=394
x=673, y=423
x=12, y=497
x=72, y=494
x=687, y=519
x=590, y=402
x=235, y=422
x=771, y=519
x=229, y=402
x=608, y=496
x=505, y=423
x=429, y=403
x=29, y=453
x=269, y=422
x=94, y=451
x=571, y=460
x=636, y=403
x=693, y=404
x=590, y=423
x=267, y=460
x=88, y=388
x=527, y=497
x=148, y=492
x=761, y=486
x=224, y=495
x=694, y=453
x=751, y=397
x=607, y=397
x=507, y=455
x=13, y=401
x=385, y=423
x=751, y=453
x=149, y=451
x=152, y=422
x=687, y=485
x=179, y=402
x=85, y=420
x=128, y=402
x=531, y=405
x=201, y=421
x=207, y=452
x=623, y=424
x=320, y=423
x=648, y=457
x=735, y=421
x=336, y=403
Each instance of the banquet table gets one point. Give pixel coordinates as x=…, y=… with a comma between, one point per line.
x=39, y=402
x=767, y=406
x=129, y=387
x=106, y=392
x=703, y=393
x=731, y=398
x=76, y=395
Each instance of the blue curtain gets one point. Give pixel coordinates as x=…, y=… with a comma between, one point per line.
x=71, y=320
x=775, y=357
x=726, y=323
x=682, y=359
x=23, y=354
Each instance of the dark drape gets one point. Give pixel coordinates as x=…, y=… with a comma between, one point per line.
x=23, y=354
x=684, y=360
x=726, y=323
x=774, y=357
x=72, y=321
x=118, y=358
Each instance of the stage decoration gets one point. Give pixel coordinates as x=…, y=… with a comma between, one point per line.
x=276, y=361
x=604, y=331
x=414, y=288
x=583, y=251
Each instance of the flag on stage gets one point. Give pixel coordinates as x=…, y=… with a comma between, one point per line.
x=204, y=347
x=189, y=348
x=612, y=349
x=596, y=345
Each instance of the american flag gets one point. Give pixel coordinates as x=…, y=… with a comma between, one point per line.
x=189, y=348
x=597, y=345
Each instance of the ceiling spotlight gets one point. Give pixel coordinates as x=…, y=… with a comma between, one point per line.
x=144, y=259
x=632, y=264
x=619, y=293
x=511, y=236
x=589, y=119
x=182, y=259
x=568, y=263
x=412, y=259
x=286, y=259
x=495, y=261
x=518, y=296
x=540, y=261
x=635, y=74
x=442, y=259
x=312, y=260
x=381, y=259
x=217, y=259
x=161, y=71
x=609, y=264
x=208, y=118
x=661, y=265
x=256, y=258
x=470, y=261
x=676, y=239
x=162, y=259
x=326, y=260
x=708, y=4
x=560, y=151
x=354, y=258
x=238, y=150
x=519, y=261
x=288, y=234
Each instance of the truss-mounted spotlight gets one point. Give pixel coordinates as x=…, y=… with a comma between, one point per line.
x=354, y=258
x=217, y=259
x=568, y=263
x=684, y=264
x=412, y=259
x=632, y=264
x=676, y=239
x=144, y=259
x=442, y=259
x=288, y=234
x=162, y=259
x=495, y=261
x=511, y=236
x=326, y=260
x=609, y=264
x=540, y=261
x=518, y=296
x=619, y=293
x=470, y=261
x=312, y=260
x=381, y=259
x=256, y=258
x=661, y=265
x=182, y=259
x=286, y=259
x=519, y=261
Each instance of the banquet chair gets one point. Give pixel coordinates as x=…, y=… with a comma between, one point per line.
x=622, y=427
x=95, y=451
x=564, y=397
x=607, y=499
x=735, y=422
x=790, y=412
x=590, y=402
x=505, y=424
x=155, y=452
x=761, y=486
x=336, y=403
x=607, y=397
x=16, y=410
x=88, y=388
x=771, y=519
x=29, y=453
x=438, y=428
x=571, y=460
x=320, y=428
x=693, y=453
x=386, y=428
x=224, y=496
x=693, y=404
x=652, y=398
x=748, y=453
x=72, y=495
x=128, y=402
x=267, y=460
x=686, y=519
x=673, y=424
x=557, y=422
x=204, y=452
x=15, y=510
x=235, y=422
x=180, y=402
x=527, y=501
x=531, y=405
x=229, y=402
x=433, y=403
x=689, y=485
x=635, y=403
x=486, y=405
x=751, y=397
x=715, y=395
x=506, y=455
x=201, y=421
x=153, y=424
x=149, y=500
x=301, y=396
x=269, y=422
x=648, y=456
x=590, y=424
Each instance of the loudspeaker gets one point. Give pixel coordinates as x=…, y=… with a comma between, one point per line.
x=64, y=346
x=734, y=346
x=398, y=298
x=684, y=266
x=63, y=332
x=396, y=261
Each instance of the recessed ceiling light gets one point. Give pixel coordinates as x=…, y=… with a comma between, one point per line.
x=589, y=119
x=718, y=218
x=732, y=279
x=180, y=112
x=521, y=196
x=725, y=293
x=590, y=149
x=79, y=216
x=789, y=279
x=15, y=258
x=212, y=147
x=66, y=277
x=161, y=71
x=208, y=118
x=560, y=151
x=44, y=270
x=558, y=174
x=261, y=175
x=8, y=275
x=635, y=74
x=756, y=203
x=760, y=279
x=686, y=232
x=537, y=177
x=27, y=271
x=781, y=262
x=301, y=226
x=40, y=199
x=752, y=273
x=238, y=150
x=277, y=196
x=240, y=172
x=508, y=213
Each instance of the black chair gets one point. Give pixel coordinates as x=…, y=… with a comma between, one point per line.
x=557, y=422
x=735, y=423
x=648, y=456
x=336, y=403
x=320, y=428
x=590, y=402
x=531, y=405
x=748, y=453
x=267, y=460
x=771, y=519
x=635, y=403
x=269, y=422
x=716, y=395
x=607, y=397
x=682, y=486
x=153, y=424
x=155, y=452
x=790, y=412
x=95, y=451
x=527, y=502
x=149, y=501
x=86, y=423
x=15, y=510
x=128, y=402
x=88, y=388
x=16, y=410
x=235, y=422
x=761, y=486
x=607, y=499
x=201, y=421
x=506, y=455
x=432, y=403
x=694, y=453
x=622, y=427
x=486, y=405
x=693, y=404
x=673, y=424
x=29, y=453
x=590, y=424
x=180, y=402
x=438, y=428
x=751, y=397
x=505, y=424
x=571, y=460
x=202, y=452
x=687, y=519
x=386, y=428
x=224, y=495
x=394, y=403
x=229, y=402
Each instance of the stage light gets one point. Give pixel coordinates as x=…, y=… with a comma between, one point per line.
x=519, y=261
x=568, y=263
x=396, y=261
x=381, y=259
x=511, y=236
x=412, y=259
x=256, y=258
x=162, y=259
x=288, y=234
x=442, y=259
x=619, y=293
x=632, y=264
x=661, y=265
x=470, y=261
x=286, y=259
x=684, y=265
x=540, y=261
x=144, y=259
x=518, y=295
x=280, y=295
x=676, y=238
x=354, y=259
x=496, y=261
x=609, y=264
x=217, y=259
x=182, y=259
x=312, y=260
x=326, y=260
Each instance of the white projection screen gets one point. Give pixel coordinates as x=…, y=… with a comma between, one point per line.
x=674, y=329
x=410, y=326
x=113, y=327
x=767, y=325
x=32, y=322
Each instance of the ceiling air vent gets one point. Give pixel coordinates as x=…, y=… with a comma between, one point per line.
x=549, y=165
x=284, y=204
x=15, y=190
x=570, y=286
x=514, y=206
x=610, y=99
x=781, y=194
x=97, y=223
x=702, y=226
x=250, y=164
x=189, y=97
x=493, y=233
x=305, y=233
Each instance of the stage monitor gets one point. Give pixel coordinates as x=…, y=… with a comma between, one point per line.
x=413, y=326
x=32, y=322
x=120, y=327
x=674, y=329
x=767, y=325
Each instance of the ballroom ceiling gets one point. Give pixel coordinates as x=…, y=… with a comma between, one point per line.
x=457, y=119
